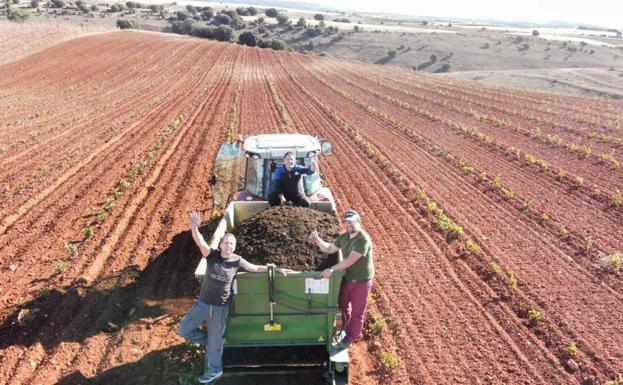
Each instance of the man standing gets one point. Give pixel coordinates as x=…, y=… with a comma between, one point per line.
x=211, y=307
x=289, y=182
x=356, y=248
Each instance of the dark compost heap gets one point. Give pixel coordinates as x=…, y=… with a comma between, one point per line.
x=279, y=235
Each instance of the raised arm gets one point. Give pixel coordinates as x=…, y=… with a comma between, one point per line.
x=325, y=247
x=195, y=221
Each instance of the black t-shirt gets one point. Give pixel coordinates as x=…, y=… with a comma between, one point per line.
x=220, y=272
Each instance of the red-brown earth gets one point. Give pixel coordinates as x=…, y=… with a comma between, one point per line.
x=107, y=143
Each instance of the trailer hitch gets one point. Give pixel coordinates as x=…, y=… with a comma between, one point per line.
x=271, y=326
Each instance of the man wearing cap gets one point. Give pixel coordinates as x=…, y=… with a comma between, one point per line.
x=356, y=248
x=289, y=182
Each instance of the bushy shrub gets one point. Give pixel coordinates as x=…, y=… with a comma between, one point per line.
x=535, y=33
x=205, y=32
x=278, y=45
x=319, y=16
x=248, y=38
x=282, y=19
x=155, y=8
x=127, y=24
x=181, y=15
x=222, y=19
x=313, y=32
x=271, y=12
x=207, y=14
x=58, y=3
x=444, y=68
x=34, y=3
x=224, y=33
x=301, y=22
x=182, y=27
x=18, y=15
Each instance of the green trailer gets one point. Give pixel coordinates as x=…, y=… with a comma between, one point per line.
x=270, y=310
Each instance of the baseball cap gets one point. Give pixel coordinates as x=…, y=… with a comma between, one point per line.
x=351, y=215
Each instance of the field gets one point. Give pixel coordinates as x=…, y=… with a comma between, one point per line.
x=496, y=213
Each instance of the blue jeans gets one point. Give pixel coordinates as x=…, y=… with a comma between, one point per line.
x=215, y=317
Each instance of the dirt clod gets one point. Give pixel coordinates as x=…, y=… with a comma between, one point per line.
x=279, y=235
x=572, y=366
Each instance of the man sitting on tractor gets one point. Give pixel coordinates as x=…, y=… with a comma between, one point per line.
x=289, y=182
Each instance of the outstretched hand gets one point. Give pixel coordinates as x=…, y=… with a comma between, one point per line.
x=326, y=273
x=195, y=219
x=314, y=237
x=285, y=272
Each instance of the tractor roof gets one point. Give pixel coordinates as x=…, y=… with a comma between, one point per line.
x=274, y=146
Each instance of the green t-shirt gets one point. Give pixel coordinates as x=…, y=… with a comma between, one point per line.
x=363, y=269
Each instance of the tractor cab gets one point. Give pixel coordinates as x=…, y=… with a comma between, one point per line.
x=253, y=165
x=264, y=154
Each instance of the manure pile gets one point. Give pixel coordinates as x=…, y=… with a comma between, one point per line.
x=279, y=235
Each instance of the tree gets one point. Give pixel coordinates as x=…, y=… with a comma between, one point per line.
x=126, y=24
x=535, y=33
x=319, y=16
x=224, y=33
x=252, y=11
x=181, y=15
x=271, y=12
x=313, y=32
x=206, y=32
x=58, y=3
x=155, y=8
x=182, y=27
x=278, y=45
x=207, y=14
x=282, y=19
x=433, y=58
x=248, y=38
x=301, y=22
x=34, y=3
x=221, y=19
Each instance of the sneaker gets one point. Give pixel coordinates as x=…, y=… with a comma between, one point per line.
x=343, y=344
x=210, y=376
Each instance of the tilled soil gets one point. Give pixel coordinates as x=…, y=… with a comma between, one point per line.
x=106, y=310
x=280, y=235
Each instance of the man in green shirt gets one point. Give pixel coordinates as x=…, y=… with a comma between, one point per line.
x=356, y=248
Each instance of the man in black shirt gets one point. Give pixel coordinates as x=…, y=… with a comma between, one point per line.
x=211, y=306
x=289, y=182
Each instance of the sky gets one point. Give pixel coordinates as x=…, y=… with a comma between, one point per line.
x=605, y=13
